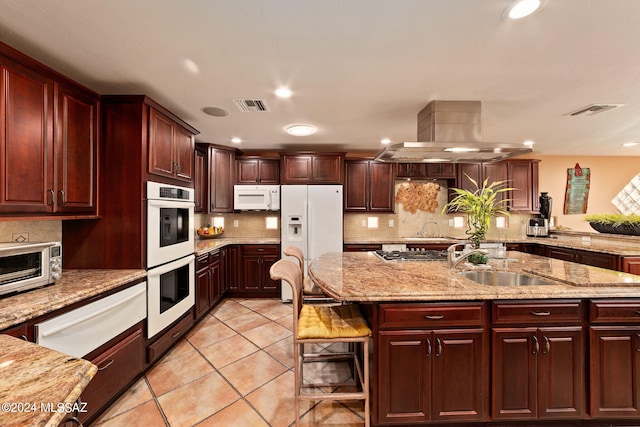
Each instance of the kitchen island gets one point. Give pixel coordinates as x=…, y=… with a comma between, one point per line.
x=447, y=349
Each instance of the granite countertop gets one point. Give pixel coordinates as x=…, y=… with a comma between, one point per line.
x=207, y=245
x=355, y=276
x=75, y=285
x=622, y=248
x=42, y=384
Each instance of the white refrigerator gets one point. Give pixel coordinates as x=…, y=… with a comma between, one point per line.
x=310, y=218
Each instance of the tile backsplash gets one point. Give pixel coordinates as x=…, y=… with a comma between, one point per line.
x=249, y=224
x=34, y=231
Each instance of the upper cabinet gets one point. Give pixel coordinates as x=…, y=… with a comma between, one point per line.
x=426, y=170
x=312, y=168
x=519, y=174
x=218, y=178
x=171, y=148
x=369, y=186
x=255, y=170
x=48, y=141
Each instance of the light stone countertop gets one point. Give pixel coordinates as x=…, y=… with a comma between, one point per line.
x=75, y=286
x=207, y=245
x=364, y=277
x=43, y=384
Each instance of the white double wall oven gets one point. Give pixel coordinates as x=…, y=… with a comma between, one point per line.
x=170, y=254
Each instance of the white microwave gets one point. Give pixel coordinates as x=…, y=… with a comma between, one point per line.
x=256, y=197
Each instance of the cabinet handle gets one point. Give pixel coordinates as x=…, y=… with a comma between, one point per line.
x=638, y=312
x=438, y=317
x=62, y=198
x=638, y=349
x=536, y=345
x=175, y=335
x=23, y=337
x=109, y=363
x=438, y=347
x=541, y=313
x=428, y=347
x=547, y=345
x=53, y=196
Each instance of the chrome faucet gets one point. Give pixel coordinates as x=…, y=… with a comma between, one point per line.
x=453, y=260
x=423, y=232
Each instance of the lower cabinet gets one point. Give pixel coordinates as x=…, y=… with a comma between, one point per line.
x=538, y=360
x=118, y=365
x=614, y=336
x=434, y=374
x=254, y=278
x=210, y=277
x=361, y=247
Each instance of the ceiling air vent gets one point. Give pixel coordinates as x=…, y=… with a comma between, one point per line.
x=251, y=105
x=592, y=109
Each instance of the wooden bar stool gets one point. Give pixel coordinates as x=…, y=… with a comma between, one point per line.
x=311, y=291
x=325, y=325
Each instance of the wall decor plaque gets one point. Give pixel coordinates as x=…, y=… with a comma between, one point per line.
x=416, y=196
x=577, y=191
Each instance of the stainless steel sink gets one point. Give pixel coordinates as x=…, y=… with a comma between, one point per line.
x=503, y=278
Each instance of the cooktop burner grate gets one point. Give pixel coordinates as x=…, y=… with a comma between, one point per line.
x=422, y=255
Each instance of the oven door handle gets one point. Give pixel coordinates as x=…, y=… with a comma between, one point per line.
x=92, y=315
x=169, y=204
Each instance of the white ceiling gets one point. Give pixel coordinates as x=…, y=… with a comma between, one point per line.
x=360, y=70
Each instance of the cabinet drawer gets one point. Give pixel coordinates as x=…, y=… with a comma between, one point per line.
x=533, y=313
x=202, y=262
x=167, y=339
x=261, y=250
x=431, y=315
x=614, y=311
x=117, y=366
x=214, y=256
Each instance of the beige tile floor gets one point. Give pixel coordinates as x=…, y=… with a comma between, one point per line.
x=234, y=368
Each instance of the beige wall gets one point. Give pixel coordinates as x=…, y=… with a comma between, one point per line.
x=608, y=176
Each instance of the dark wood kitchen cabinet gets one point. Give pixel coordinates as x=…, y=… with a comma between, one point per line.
x=220, y=176
x=312, y=168
x=361, y=247
x=369, y=186
x=254, y=279
x=538, y=360
x=523, y=178
x=200, y=180
x=615, y=358
x=426, y=170
x=630, y=265
x=49, y=140
x=431, y=363
x=596, y=259
x=209, y=281
x=171, y=148
x=255, y=170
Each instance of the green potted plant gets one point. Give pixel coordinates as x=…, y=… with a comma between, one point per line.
x=480, y=205
x=616, y=223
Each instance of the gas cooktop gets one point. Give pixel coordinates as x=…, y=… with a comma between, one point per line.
x=419, y=255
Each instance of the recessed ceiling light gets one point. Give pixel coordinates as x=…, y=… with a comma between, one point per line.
x=236, y=140
x=301, y=130
x=283, y=92
x=522, y=8
x=630, y=144
x=385, y=141
x=528, y=143
x=215, y=111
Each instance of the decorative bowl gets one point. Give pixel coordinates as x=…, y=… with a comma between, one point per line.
x=210, y=235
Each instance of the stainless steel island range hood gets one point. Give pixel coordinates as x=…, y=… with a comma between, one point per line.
x=450, y=131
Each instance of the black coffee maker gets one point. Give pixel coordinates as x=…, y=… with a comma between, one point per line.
x=539, y=227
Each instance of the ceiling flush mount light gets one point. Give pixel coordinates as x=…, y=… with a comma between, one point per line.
x=301, y=130
x=215, y=111
x=523, y=8
x=385, y=141
x=236, y=140
x=283, y=92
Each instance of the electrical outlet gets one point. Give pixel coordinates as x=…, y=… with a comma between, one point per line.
x=391, y=224
x=364, y=222
x=20, y=237
x=236, y=223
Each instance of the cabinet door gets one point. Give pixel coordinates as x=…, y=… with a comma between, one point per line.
x=203, y=278
x=248, y=171
x=251, y=272
x=561, y=379
x=615, y=379
x=404, y=376
x=440, y=170
x=411, y=170
x=221, y=167
x=327, y=169
x=631, y=265
x=233, y=268
x=76, y=150
x=184, y=149
x=514, y=373
x=494, y=172
x=561, y=253
x=26, y=140
x=460, y=389
x=521, y=179
x=267, y=283
x=356, y=189
x=381, y=187
x=269, y=171
x=466, y=171
x=297, y=169
x=200, y=177
x=161, y=157
x=597, y=259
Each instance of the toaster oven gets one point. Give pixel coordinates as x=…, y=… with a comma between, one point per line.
x=25, y=266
